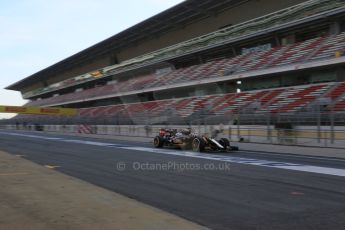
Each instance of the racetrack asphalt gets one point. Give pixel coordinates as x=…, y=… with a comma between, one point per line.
x=239, y=196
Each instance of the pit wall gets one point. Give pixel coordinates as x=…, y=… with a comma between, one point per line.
x=324, y=136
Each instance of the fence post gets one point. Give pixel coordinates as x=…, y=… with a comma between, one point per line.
x=229, y=131
x=238, y=127
x=268, y=123
x=332, y=126
x=318, y=123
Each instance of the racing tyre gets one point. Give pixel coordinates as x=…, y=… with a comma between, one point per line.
x=234, y=148
x=198, y=145
x=225, y=143
x=158, y=142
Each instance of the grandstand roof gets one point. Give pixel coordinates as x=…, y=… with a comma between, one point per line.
x=310, y=12
x=182, y=14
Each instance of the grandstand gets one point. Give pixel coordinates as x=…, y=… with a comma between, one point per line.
x=285, y=62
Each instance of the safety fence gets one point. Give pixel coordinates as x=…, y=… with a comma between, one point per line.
x=316, y=128
x=323, y=136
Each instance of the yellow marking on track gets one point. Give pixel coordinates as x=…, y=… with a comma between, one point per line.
x=52, y=166
x=13, y=174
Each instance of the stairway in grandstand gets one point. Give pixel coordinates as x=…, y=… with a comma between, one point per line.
x=311, y=50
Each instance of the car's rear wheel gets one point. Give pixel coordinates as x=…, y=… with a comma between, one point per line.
x=198, y=145
x=158, y=142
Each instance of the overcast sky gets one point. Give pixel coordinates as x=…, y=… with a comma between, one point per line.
x=35, y=34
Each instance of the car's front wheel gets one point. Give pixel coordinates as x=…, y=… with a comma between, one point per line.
x=224, y=142
x=198, y=145
x=234, y=148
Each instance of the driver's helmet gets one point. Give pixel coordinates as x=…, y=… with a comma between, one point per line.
x=186, y=131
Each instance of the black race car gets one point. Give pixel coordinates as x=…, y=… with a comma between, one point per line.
x=186, y=139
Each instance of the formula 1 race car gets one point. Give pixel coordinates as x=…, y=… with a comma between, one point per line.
x=186, y=139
